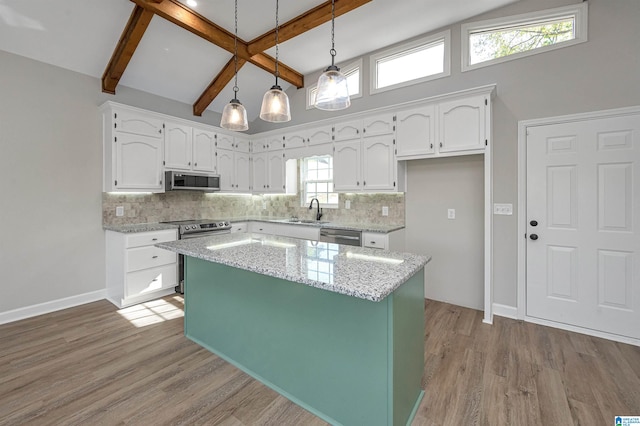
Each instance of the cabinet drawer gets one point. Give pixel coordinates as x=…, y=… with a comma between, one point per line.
x=149, y=280
x=374, y=240
x=239, y=227
x=141, y=239
x=148, y=257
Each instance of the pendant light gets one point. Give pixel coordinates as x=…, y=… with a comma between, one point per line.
x=275, y=103
x=333, y=93
x=234, y=115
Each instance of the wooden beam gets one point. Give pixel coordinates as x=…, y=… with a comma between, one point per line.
x=216, y=86
x=176, y=12
x=131, y=36
x=302, y=23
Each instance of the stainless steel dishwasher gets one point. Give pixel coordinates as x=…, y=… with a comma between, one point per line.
x=341, y=236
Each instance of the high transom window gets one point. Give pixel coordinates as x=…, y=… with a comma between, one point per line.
x=411, y=63
x=498, y=40
x=354, y=83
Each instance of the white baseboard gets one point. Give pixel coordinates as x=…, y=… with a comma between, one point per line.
x=52, y=306
x=582, y=330
x=505, y=311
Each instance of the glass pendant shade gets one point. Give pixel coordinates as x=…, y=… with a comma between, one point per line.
x=275, y=106
x=234, y=116
x=333, y=93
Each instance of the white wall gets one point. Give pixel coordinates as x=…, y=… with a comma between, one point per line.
x=600, y=74
x=51, y=181
x=455, y=273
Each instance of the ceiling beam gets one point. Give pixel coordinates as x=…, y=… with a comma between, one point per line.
x=175, y=12
x=216, y=86
x=131, y=36
x=303, y=23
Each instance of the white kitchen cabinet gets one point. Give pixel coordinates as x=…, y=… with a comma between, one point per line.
x=319, y=135
x=137, y=271
x=133, y=150
x=204, y=148
x=268, y=228
x=392, y=241
x=416, y=132
x=364, y=155
x=225, y=141
x=239, y=227
x=226, y=169
x=304, y=232
x=260, y=172
x=242, y=170
x=347, y=163
x=234, y=168
x=461, y=124
x=295, y=139
x=177, y=146
x=136, y=122
x=268, y=172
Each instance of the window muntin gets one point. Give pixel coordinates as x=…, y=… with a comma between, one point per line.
x=503, y=39
x=411, y=63
x=317, y=181
x=354, y=83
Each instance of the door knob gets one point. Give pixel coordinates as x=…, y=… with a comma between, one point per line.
x=534, y=223
x=534, y=237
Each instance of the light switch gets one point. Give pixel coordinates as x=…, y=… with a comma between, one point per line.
x=451, y=214
x=503, y=209
x=120, y=211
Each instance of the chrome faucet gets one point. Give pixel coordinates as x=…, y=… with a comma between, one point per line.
x=319, y=212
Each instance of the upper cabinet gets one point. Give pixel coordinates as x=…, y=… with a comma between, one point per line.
x=177, y=146
x=456, y=125
x=133, y=150
x=204, y=150
x=233, y=163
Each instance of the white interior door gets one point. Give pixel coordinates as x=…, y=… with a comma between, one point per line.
x=583, y=220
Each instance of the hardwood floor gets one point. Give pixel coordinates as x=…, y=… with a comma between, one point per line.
x=96, y=365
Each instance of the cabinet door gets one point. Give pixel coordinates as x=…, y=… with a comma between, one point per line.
x=276, y=169
x=260, y=172
x=242, y=172
x=259, y=146
x=225, y=141
x=415, y=132
x=378, y=163
x=177, y=146
x=224, y=158
x=462, y=124
x=137, y=123
x=378, y=125
x=346, y=167
x=319, y=135
x=242, y=145
x=138, y=162
x=347, y=131
x=204, y=147
x=275, y=142
x=295, y=140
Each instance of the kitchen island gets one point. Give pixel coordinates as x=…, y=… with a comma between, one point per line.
x=338, y=330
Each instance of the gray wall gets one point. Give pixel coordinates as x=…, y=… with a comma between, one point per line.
x=51, y=179
x=599, y=74
x=455, y=274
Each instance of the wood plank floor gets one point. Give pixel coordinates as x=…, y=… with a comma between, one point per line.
x=95, y=365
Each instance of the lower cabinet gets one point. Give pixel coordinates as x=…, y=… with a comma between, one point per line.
x=392, y=241
x=241, y=227
x=303, y=232
x=136, y=270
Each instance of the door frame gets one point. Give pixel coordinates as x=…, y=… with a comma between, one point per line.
x=521, y=301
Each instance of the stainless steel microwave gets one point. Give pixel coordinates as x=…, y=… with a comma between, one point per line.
x=192, y=181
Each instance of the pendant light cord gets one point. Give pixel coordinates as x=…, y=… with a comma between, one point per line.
x=235, y=54
x=277, y=28
x=333, y=17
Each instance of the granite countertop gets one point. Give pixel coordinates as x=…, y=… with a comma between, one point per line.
x=145, y=227
x=139, y=227
x=369, y=274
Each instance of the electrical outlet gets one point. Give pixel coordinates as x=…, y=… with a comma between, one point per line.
x=347, y=204
x=120, y=211
x=264, y=205
x=451, y=214
x=385, y=211
x=503, y=209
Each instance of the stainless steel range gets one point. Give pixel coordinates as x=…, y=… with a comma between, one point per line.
x=195, y=229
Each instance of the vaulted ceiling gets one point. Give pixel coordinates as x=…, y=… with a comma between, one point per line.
x=182, y=52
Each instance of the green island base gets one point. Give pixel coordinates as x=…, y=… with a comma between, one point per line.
x=347, y=360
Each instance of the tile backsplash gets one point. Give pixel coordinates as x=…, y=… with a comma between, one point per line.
x=183, y=205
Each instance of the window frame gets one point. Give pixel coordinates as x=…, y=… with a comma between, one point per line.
x=345, y=70
x=578, y=11
x=445, y=36
x=303, y=183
